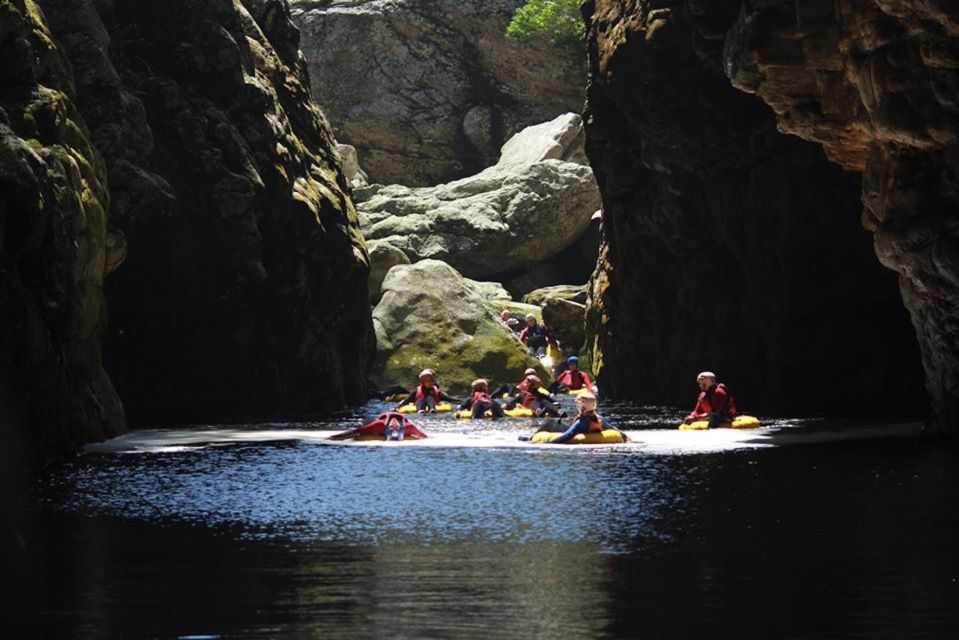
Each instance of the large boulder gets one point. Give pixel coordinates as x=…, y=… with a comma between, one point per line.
x=536, y=201
x=428, y=90
x=430, y=316
x=572, y=292
x=383, y=257
x=566, y=319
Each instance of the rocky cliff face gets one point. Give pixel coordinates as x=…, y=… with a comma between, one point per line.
x=55, y=248
x=428, y=90
x=192, y=123
x=728, y=245
x=877, y=85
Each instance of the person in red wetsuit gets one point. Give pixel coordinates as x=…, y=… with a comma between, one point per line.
x=427, y=393
x=572, y=378
x=391, y=425
x=714, y=404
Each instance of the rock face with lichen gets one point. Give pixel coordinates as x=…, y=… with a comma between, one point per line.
x=431, y=316
x=428, y=90
x=727, y=244
x=55, y=248
x=192, y=124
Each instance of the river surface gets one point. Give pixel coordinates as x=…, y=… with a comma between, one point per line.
x=798, y=530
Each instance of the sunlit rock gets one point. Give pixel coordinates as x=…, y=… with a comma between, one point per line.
x=536, y=201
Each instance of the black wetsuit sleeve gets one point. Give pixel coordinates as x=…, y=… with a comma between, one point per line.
x=578, y=426
x=446, y=397
x=409, y=399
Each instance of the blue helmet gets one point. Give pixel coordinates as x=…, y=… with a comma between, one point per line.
x=572, y=359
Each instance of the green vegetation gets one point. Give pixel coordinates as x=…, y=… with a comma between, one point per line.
x=557, y=22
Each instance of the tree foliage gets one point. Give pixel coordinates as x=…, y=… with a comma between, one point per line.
x=558, y=22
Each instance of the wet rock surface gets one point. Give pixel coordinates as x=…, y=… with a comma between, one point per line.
x=534, y=202
x=728, y=245
x=431, y=316
x=428, y=90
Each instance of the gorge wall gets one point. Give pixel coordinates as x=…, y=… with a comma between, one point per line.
x=428, y=90
x=729, y=245
x=190, y=127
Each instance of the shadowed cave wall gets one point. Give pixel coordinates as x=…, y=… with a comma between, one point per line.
x=727, y=244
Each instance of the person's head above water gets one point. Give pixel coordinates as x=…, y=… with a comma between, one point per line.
x=479, y=385
x=572, y=362
x=533, y=381
x=529, y=372
x=530, y=319
x=585, y=403
x=506, y=314
x=427, y=376
x=706, y=379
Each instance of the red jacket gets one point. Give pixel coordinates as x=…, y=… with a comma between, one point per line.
x=479, y=395
x=574, y=379
x=530, y=395
x=378, y=426
x=421, y=392
x=715, y=399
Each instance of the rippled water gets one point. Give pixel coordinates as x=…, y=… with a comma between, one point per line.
x=798, y=530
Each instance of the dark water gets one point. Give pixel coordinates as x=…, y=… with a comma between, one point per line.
x=231, y=538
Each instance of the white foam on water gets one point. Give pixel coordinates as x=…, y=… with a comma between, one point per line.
x=654, y=441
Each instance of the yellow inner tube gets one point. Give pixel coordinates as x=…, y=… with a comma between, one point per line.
x=606, y=436
x=517, y=412
x=739, y=422
x=576, y=392
x=443, y=407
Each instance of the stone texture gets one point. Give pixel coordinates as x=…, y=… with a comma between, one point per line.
x=244, y=292
x=428, y=90
x=727, y=245
x=877, y=85
x=566, y=320
x=430, y=316
x=526, y=208
x=383, y=257
x=242, y=288
x=54, y=253
x=351, y=166
x=572, y=292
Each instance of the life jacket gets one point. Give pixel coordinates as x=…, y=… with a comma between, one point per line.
x=593, y=421
x=421, y=393
x=378, y=425
x=535, y=335
x=573, y=379
x=480, y=396
x=529, y=396
x=705, y=402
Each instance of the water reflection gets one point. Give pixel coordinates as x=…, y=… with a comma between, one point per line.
x=287, y=538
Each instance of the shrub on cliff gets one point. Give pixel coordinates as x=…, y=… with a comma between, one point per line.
x=557, y=22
